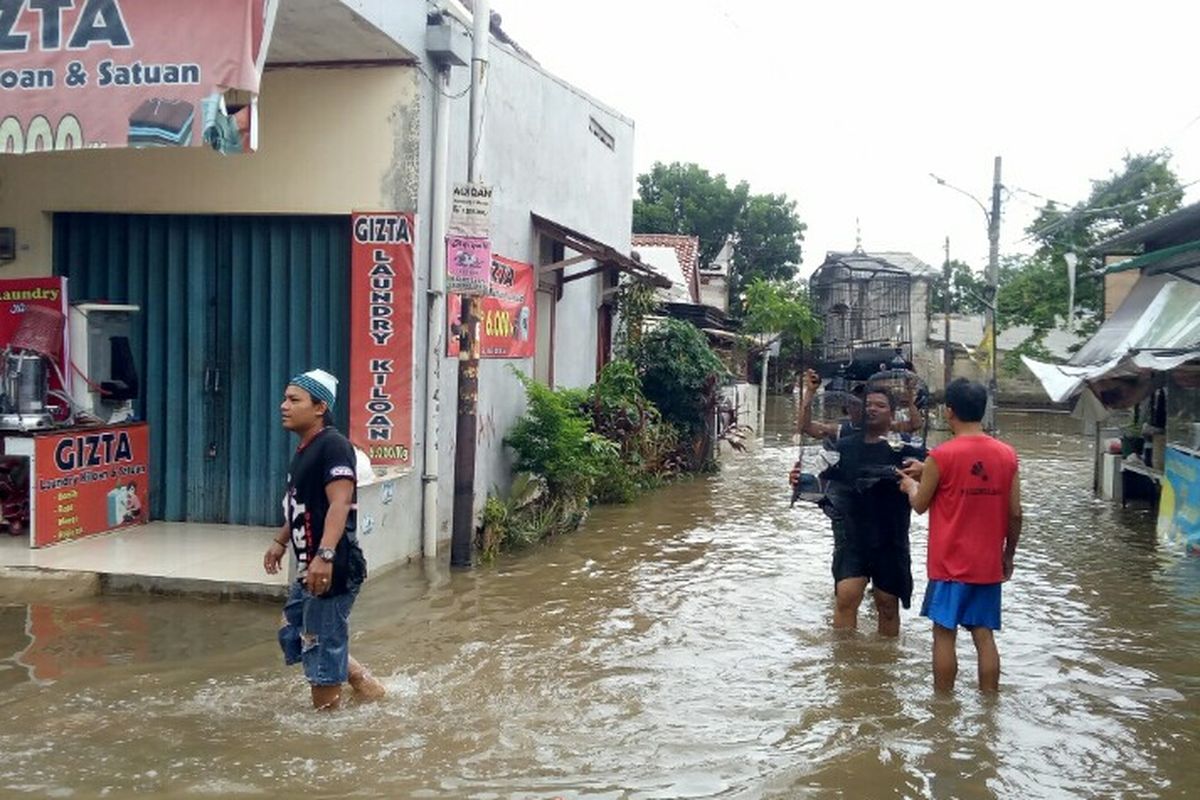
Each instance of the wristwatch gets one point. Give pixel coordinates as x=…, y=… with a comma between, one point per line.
x=326, y=554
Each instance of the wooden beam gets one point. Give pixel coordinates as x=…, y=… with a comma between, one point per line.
x=568, y=262
x=586, y=273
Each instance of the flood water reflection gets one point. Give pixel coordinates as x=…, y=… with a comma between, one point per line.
x=678, y=647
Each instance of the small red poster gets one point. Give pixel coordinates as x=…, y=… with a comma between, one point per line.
x=88, y=481
x=508, y=315
x=381, y=336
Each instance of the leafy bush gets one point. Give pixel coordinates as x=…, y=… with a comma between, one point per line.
x=529, y=515
x=555, y=441
x=680, y=374
x=621, y=413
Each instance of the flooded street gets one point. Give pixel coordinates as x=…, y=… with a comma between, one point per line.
x=679, y=647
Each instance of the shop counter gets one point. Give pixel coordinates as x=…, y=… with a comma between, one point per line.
x=68, y=483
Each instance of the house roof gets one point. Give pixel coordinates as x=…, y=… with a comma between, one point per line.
x=1172, y=226
x=883, y=260
x=658, y=249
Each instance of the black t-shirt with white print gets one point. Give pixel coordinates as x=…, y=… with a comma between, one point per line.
x=326, y=458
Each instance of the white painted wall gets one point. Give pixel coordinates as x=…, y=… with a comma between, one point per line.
x=540, y=156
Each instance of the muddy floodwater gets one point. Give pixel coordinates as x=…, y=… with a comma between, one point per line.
x=678, y=647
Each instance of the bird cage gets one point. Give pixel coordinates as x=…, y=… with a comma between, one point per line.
x=864, y=304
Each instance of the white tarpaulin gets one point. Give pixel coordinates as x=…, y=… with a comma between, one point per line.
x=1156, y=329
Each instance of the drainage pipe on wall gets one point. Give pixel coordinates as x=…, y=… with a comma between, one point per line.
x=436, y=300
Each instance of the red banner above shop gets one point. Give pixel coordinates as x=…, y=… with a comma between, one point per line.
x=129, y=73
x=508, y=315
x=381, y=336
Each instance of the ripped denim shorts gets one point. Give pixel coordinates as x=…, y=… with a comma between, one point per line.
x=316, y=631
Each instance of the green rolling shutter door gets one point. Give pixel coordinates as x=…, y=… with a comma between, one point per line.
x=232, y=306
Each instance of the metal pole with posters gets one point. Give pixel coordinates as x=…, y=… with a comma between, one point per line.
x=463, y=530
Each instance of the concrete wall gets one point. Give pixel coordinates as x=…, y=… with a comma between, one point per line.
x=714, y=291
x=540, y=155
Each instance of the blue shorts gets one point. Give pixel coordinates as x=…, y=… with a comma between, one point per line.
x=971, y=605
x=316, y=631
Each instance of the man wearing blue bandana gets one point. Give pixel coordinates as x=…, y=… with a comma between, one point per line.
x=319, y=522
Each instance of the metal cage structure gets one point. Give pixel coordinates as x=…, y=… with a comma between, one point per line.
x=864, y=304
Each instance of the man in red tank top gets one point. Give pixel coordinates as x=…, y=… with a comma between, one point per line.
x=971, y=488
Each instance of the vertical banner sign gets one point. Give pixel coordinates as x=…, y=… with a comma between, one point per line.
x=78, y=74
x=381, y=336
x=509, y=313
x=468, y=264
x=90, y=481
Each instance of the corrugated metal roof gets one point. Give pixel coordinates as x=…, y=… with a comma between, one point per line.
x=1167, y=224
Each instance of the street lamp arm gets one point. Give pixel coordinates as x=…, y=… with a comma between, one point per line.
x=942, y=182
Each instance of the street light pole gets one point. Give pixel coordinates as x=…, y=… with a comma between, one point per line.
x=993, y=277
x=994, y=284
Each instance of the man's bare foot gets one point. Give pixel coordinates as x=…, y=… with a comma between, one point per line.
x=366, y=686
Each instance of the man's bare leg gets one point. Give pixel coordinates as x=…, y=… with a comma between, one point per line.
x=945, y=660
x=989, y=659
x=848, y=594
x=327, y=698
x=887, y=606
x=365, y=685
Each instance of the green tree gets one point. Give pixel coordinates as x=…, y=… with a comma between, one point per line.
x=1144, y=188
x=779, y=307
x=1034, y=290
x=968, y=291
x=782, y=307
x=766, y=242
x=687, y=199
x=765, y=229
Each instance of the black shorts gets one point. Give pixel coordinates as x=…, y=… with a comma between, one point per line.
x=889, y=567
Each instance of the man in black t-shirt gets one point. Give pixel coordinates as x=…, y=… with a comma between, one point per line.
x=871, y=518
x=319, y=522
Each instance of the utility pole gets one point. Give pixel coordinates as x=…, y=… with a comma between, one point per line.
x=948, y=353
x=463, y=532
x=994, y=283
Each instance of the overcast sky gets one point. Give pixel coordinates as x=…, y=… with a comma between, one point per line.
x=848, y=106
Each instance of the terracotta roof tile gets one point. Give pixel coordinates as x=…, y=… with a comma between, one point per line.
x=687, y=249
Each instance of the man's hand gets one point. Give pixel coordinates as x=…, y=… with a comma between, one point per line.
x=273, y=558
x=1008, y=566
x=908, y=484
x=913, y=468
x=812, y=382
x=794, y=475
x=319, y=576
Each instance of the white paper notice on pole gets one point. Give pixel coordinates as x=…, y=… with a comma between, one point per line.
x=468, y=265
x=470, y=210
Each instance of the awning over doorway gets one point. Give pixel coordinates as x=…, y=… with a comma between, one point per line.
x=589, y=249
x=141, y=74
x=1156, y=329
